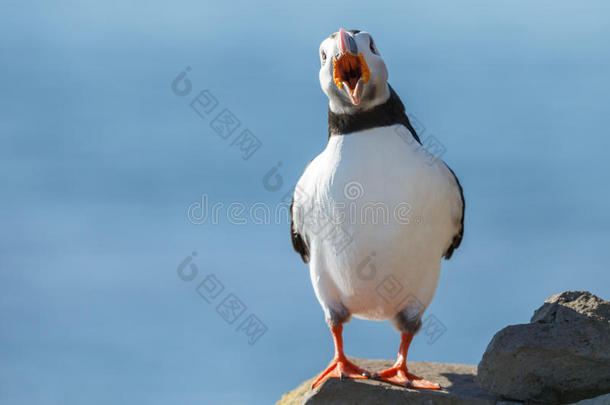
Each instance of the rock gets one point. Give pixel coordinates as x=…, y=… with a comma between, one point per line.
x=457, y=381
x=603, y=400
x=562, y=356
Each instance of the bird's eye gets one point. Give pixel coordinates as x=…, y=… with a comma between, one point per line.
x=323, y=56
x=373, y=47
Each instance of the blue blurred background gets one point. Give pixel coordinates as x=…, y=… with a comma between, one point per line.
x=99, y=160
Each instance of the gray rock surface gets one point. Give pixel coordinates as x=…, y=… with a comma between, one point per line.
x=457, y=381
x=603, y=400
x=562, y=356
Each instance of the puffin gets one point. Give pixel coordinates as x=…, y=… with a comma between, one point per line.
x=373, y=215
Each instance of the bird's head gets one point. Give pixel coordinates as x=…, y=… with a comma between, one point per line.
x=352, y=74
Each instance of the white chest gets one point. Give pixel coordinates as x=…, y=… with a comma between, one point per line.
x=374, y=196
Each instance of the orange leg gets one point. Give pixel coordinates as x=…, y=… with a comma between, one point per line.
x=399, y=374
x=340, y=367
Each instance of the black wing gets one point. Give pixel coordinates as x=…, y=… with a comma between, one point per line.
x=457, y=238
x=407, y=123
x=298, y=243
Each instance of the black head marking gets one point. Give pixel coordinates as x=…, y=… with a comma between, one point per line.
x=389, y=113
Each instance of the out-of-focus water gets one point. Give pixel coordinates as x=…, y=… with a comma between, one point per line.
x=100, y=159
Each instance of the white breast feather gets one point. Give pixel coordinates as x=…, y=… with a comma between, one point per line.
x=391, y=171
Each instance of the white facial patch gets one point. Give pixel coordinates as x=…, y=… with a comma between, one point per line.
x=374, y=92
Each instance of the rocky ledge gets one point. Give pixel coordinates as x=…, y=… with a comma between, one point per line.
x=457, y=382
x=561, y=356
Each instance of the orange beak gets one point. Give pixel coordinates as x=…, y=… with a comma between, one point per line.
x=350, y=71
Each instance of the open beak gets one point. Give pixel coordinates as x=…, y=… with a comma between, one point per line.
x=350, y=71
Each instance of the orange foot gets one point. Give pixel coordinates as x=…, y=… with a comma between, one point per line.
x=399, y=375
x=341, y=368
